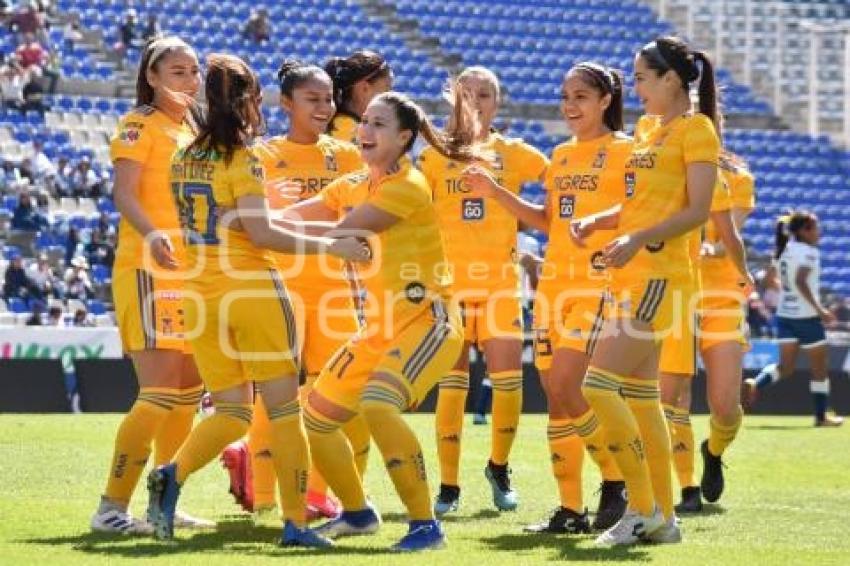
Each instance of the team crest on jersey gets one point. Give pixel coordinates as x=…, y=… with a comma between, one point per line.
x=131, y=132
x=281, y=164
x=451, y=165
x=654, y=247
x=563, y=162
x=597, y=261
x=415, y=292
x=630, y=184
x=599, y=160
x=330, y=162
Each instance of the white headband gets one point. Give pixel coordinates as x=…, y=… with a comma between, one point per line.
x=160, y=46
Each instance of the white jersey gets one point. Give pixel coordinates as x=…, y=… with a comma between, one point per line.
x=791, y=302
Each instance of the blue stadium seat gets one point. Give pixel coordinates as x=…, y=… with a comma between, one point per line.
x=96, y=307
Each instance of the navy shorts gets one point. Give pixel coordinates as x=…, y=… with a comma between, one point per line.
x=807, y=331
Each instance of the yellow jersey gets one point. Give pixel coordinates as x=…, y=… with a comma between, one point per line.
x=584, y=178
x=344, y=128
x=657, y=188
x=206, y=189
x=409, y=263
x=479, y=235
x=148, y=137
x=720, y=273
x=314, y=167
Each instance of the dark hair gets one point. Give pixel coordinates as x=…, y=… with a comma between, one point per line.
x=153, y=52
x=790, y=225
x=233, y=115
x=293, y=73
x=606, y=81
x=456, y=142
x=671, y=53
x=345, y=72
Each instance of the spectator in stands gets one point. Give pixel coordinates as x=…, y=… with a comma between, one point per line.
x=10, y=177
x=44, y=280
x=841, y=310
x=152, y=28
x=73, y=32
x=128, y=33
x=16, y=281
x=42, y=167
x=36, y=318
x=81, y=318
x=62, y=186
x=34, y=92
x=54, y=317
x=105, y=225
x=30, y=53
x=759, y=318
x=258, y=28
x=28, y=20
x=26, y=217
x=78, y=284
x=12, y=81
x=25, y=169
x=84, y=181
x=73, y=245
x=98, y=249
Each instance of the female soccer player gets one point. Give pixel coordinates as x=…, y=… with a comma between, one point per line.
x=218, y=184
x=722, y=281
x=481, y=249
x=412, y=333
x=586, y=176
x=672, y=173
x=357, y=79
x=145, y=284
x=304, y=160
x=801, y=317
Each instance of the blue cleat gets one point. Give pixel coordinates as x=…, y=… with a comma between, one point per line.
x=505, y=498
x=163, y=493
x=422, y=535
x=351, y=523
x=304, y=537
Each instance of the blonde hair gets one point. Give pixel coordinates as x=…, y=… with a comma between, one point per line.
x=484, y=74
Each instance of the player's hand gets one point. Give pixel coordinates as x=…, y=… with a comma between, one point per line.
x=827, y=317
x=479, y=181
x=580, y=229
x=618, y=252
x=162, y=250
x=351, y=249
x=283, y=192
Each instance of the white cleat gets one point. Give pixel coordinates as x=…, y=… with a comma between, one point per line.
x=119, y=522
x=183, y=520
x=631, y=529
x=668, y=533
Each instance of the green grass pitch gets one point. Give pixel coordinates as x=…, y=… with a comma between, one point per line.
x=787, y=502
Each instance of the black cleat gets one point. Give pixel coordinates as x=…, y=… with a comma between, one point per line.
x=448, y=500
x=691, y=501
x=562, y=522
x=612, y=505
x=712, y=474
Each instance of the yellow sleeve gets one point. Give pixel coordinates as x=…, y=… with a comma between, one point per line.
x=427, y=163
x=133, y=139
x=332, y=194
x=532, y=163
x=246, y=174
x=701, y=143
x=401, y=198
x=743, y=190
x=721, y=197
x=349, y=159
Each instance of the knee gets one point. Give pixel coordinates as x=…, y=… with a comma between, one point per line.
x=317, y=423
x=726, y=412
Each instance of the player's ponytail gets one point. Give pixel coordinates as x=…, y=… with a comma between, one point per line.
x=457, y=145
x=670, y=53
x=233, y=117
x=294, y=73
x=792, y=224
x=605, y=81
x=782, y=233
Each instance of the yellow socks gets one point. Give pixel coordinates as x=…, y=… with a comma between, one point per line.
x=682, y=444
x=567, y=455
x=260, y=450
x=588, y=429
x=133, y=442
x=229, y=423
x=332, y=456
x=291, y=457
x=451, y=403
x=178, y=425
x=382, y=405
x=721, y=436
x=507, y=406
x=642, y=397
x=602, y=391
x=357, y=431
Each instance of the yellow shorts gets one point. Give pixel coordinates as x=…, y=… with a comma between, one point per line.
x=422, y=348
x=573, y=323
x=722, y=320
x=149, y=311
x=499, y=316
x=661, y=303
x=324, y=331
x=679, y=342
x=245, y=333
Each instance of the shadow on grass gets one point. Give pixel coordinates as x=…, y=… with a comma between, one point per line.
x=779, y=427
x=231, y=537
x=566, y=548
x=479, y=515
